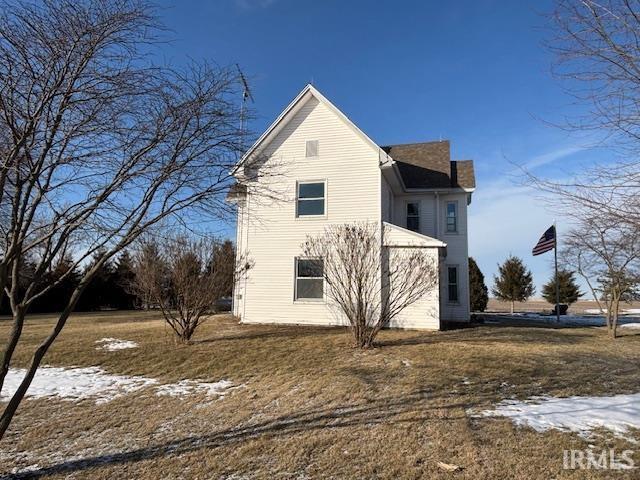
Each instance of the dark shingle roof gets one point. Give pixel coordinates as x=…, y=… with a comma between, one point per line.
x=429, y=165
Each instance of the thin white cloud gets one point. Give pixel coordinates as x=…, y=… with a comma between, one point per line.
x=552, y=156
x=254, y=4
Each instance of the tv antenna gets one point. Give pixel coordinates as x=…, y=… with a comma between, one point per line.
x=246, y=94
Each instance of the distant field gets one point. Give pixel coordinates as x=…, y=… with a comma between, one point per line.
x=542, y=305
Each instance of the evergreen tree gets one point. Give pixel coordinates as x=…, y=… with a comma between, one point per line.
x=478, y=291
x=569, y=290
x=55, y=299
x=514, y=282
x=99, y=293
x=123, y=282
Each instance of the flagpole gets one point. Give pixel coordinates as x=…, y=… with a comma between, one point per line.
x=555, y=257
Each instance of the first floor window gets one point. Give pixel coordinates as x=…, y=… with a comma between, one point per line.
x=310, y=199
x=309, y=278
x=413, y=216
x=452, y=273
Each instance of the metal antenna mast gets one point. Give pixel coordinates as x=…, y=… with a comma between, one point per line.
x=246, y=94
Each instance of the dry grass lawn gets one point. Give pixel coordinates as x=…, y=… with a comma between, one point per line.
x=313, y=407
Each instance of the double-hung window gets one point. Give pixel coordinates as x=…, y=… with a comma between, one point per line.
x=413, y=216
x=309, y=279
x=452, y=217
x=452, y=283
x=310, y=199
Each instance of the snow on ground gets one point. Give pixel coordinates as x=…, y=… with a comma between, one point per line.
x=630, y=325
x=94, y=383
x=74, y=383
x=624, y=311
x=582, y=415
x=187, y=387
x=566, y=320
x=113, y=344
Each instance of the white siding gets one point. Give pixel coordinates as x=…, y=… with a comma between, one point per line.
x=458, y=255
x=425, y=313
x=349, y=165
x=433, y=224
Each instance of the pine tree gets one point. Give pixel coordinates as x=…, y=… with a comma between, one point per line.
x=99, y=293
x=514, y=282
x=55, y=299
x=478, y=291
x=569, y=290
x=124, y=278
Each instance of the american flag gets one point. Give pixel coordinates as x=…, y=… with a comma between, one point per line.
x=547, y=241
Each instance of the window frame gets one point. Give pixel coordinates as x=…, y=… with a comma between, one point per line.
x=296, y=262
x=324, y=199
x=306, y=148
x=455, y=217
x=417, y=216
x=457, y=285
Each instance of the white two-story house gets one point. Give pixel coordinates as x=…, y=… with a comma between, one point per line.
x=327, y=171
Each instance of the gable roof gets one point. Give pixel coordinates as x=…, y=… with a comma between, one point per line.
x=293, y=108
x=429, y=165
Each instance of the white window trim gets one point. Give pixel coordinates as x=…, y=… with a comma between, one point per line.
x=406, y=214
x=326, y=203
x=457, y=267
x=295, y=283
x=446, y=217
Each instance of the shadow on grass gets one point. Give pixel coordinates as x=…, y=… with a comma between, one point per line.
x=491, y=334
x=375, y=412
x=275, y=331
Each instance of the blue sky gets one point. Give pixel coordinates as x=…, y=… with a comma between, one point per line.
x=473, y=72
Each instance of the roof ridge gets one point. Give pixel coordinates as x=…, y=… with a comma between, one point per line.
x=416, y=143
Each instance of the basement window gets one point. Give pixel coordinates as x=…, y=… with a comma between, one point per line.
x=309, y=279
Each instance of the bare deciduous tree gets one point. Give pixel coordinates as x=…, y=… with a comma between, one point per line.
x=98, y=145
x=607, y=255
x=186, y=278
x=368, y=283
x=598, y=54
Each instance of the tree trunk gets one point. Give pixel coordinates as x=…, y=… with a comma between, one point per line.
x=512, y=305
x=12, y=406
x=14, y=336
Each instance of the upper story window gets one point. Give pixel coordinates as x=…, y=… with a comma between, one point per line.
x=452, y=217
x=452, y=282
x=413, y=216
x=312, y=148
x=309, y=278
x=310, y=199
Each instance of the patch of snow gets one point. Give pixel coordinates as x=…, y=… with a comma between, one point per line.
x=80, y=383
x=582, y=415
x=632, y=311
x=406, y=363
x=188, y=387
x=112, y=344
x=74, y=383
x=595, y=311
x=630, y=325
